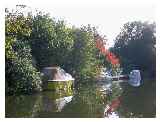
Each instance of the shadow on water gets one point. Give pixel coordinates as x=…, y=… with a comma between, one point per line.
x=22, y=106
x=138, y=101
x=85, y=101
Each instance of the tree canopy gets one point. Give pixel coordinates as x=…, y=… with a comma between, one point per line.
x=136, y=46
x=35, y=41
x=21, y=76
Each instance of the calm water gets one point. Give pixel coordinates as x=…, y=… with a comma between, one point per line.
x=88, y=100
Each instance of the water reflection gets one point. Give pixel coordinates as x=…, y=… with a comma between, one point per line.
x=87, y=101
x=54, y=102
x=138, y=102
x=112, y=115
x=23, y=106
x=33, y=105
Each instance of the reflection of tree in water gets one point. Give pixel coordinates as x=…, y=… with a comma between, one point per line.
x=138, y=101
x=45, y=104
x=23, y=106
x=87, y=102
x=114, y=101
x=54, y=101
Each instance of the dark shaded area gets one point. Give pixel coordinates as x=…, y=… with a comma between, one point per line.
x=135, y=45
x=139, y=101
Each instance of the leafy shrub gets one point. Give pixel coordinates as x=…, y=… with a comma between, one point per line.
x=21, y=76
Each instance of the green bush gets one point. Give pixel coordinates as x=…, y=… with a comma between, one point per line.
x=21, y=76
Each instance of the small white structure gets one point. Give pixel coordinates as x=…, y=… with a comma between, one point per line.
x=56, y=74
x=135, y=78
x=56, y=78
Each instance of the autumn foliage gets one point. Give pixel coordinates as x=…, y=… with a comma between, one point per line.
x=100, y=44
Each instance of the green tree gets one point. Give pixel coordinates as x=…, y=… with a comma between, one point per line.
x=37, y=41
x=21, y=76
x=17, y=26
x=51, y=41
x=136, y=47
x=85, y=60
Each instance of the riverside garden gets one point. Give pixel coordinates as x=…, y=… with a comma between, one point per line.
x=35, y=40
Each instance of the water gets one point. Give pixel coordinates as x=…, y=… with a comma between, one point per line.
x=86, y=101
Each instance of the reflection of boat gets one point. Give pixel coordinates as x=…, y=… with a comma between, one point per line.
x=61, y=102
x=57, y=78
x=104, y=86
x=54, y=101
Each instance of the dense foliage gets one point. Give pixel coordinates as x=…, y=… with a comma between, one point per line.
x=83, y=59
x=35, y=41
x=55, y=44
x=51, y=41
x=136, y=47
x=21, y=76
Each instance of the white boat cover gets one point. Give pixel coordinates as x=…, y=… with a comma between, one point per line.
x=135, y=78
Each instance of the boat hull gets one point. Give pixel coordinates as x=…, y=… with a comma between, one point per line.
x=60, y=85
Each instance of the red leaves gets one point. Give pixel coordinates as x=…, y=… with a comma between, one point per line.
x=112, y=58
x=103, y=50
x=109, y=55
x=113, y=106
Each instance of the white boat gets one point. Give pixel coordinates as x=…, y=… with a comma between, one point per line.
x=134, y=78
x=57, y=77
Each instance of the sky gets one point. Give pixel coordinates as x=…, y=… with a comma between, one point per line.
x=107, y=18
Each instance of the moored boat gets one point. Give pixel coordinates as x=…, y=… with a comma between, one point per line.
x=56, y=78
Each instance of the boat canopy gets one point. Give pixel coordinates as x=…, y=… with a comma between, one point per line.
x=56, y=74
x=135, y=78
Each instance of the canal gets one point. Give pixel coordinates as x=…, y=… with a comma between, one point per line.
x=86, y=101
